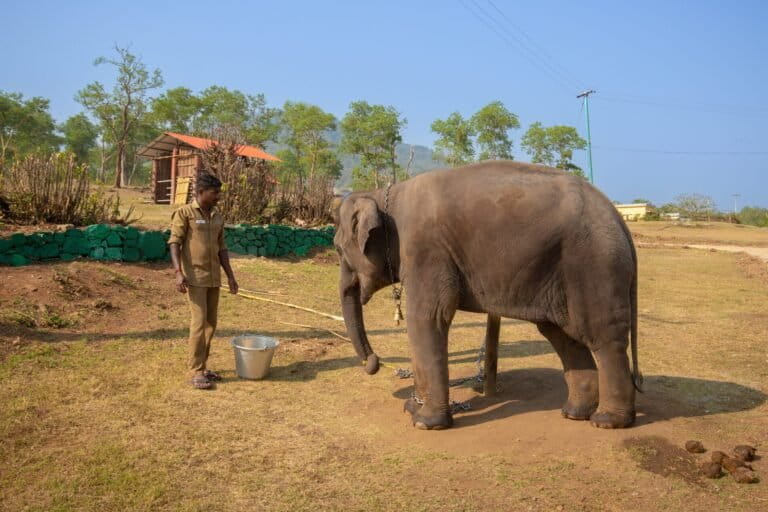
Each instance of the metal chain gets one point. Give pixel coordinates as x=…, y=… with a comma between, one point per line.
x=397, y=294
x=397, y=291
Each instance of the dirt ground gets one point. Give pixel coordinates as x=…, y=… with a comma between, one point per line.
x=98, y=413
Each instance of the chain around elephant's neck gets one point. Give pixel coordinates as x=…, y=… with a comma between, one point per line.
x=397, y=291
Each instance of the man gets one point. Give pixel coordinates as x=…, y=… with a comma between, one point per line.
x=198, y=253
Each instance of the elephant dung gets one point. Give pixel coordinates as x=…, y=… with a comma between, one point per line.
x=695, y=447
x=730, y=464
x=744, y=452
x=745, y=476
x=711, y=470
x=718, y=456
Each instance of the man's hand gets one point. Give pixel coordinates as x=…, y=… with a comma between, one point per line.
x=233, y=286
x=181, y=282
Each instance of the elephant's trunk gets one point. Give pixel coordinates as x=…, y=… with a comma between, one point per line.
x=352, y=310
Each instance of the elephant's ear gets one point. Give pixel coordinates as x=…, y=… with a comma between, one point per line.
x=368, y=218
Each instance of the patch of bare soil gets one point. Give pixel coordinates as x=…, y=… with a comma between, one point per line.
x=66, y=301
x=657, y=455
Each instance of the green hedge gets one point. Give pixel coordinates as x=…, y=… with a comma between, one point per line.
x=121, y=243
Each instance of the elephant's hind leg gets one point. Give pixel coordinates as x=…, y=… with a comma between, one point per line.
x=580, y=373
x=617, y=392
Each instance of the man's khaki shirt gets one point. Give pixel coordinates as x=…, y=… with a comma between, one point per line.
x=200, y=240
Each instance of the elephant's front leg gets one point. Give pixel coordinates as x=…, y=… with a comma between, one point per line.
x=428, y=337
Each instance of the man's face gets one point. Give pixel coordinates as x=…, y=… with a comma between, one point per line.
x=209, y=197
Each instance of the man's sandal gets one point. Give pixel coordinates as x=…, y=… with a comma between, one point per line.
x=212, y=376
x=201, y=382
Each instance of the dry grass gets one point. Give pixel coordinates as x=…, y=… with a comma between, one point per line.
x=100, y=417
x=700, y=232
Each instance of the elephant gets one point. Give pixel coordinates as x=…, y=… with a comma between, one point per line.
x=508, y=239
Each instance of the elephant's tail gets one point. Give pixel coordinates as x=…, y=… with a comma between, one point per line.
x=637, y=377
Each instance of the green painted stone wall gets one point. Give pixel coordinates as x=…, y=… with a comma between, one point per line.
x=121, y=243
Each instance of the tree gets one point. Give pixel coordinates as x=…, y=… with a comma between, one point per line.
x=123, y=108
x=175, y=110
x=180, y=110
x=695, y=205
x=309, y=163
x=25, y=126
x=492, y=124
x=372, y=132
x=553, y=146
x=248, y=113
x=754, y=216
x=536, y=143
x=454, y=146
x=80, y=136
x=641, y=201
x=305, y=130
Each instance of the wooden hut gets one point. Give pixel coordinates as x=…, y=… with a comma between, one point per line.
x=176, y=163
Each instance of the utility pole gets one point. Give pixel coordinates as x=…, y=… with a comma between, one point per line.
x=735, y=196
x=585, y=95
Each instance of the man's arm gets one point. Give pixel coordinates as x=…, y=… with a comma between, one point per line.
x=178, y=234
x=224, y=260
x=181, y=281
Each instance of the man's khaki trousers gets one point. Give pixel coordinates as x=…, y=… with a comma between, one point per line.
x=204, y=307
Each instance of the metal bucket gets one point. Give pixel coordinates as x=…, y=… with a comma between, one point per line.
x=253, y=355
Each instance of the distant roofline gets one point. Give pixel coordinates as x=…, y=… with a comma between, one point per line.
x=165, y=142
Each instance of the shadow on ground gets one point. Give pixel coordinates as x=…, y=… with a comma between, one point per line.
x=666, y=397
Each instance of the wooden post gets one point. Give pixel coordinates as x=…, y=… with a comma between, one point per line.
x=491, y=354
x=155, y=190
x=174, y=168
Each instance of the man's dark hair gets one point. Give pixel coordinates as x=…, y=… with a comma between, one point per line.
x=206, y=180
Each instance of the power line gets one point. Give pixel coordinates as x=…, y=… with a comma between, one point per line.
x=538, y=49
x=482, y=18
x=671, y=152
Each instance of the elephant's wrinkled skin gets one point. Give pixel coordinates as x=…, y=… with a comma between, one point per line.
x=512, y=240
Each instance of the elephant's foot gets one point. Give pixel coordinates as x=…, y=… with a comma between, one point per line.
x=578, y=411
x=605, y=419
x=425, y=420
x=411, y=406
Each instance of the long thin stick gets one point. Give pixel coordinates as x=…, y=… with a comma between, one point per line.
x=294, y=306
x=262, y=292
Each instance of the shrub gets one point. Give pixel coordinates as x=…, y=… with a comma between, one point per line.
x=55, y=189
x=248, y=183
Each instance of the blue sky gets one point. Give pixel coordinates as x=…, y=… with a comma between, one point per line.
x=680, y=104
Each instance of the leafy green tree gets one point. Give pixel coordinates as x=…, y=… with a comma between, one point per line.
x=80, y=136
x=175, y=110
x=754, y=216
x=25, y=126
x=372, y=132
x=553, y=146
x=536, y=142
x=454, y=146
x=492, y=124
x=125, y=106
x=641, y=201
x=180, y=110
x=308, y=151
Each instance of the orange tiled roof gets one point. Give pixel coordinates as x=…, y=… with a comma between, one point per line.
x=162, y=144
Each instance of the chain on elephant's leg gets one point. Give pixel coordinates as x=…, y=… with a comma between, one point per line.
x=416, y=400
x=430, y=358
